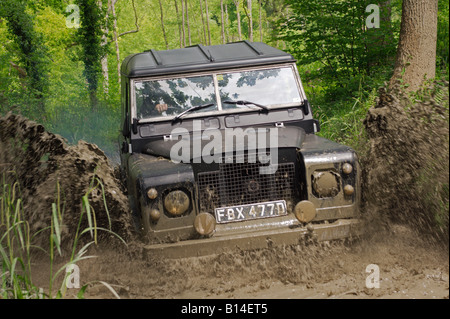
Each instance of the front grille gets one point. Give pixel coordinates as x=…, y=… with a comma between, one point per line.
x=241, y=183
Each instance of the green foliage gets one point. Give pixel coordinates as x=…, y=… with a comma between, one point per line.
x=342, y=122
x=27, y=45
x=91, y=35
x=332, y=37
x=340, y=61
x=442, y=47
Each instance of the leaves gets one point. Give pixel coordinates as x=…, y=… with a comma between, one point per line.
x=334, y=33
x=32, y=52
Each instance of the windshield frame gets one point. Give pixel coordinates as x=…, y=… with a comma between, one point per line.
x=219, y=111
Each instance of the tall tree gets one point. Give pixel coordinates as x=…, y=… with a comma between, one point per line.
x=183, y=23
x=187, y=22
x=162, y=25
x=33, y=53
x=260, y=21
x=179, y=23
x=115, y=32
x=274, y=13
x=116, y=37
x=203, y=22
x=237, y=3
x=207, y=22
x=338, y=37
x=250, y=19
x=104, y=61
x=222, y=21
x=89, y=35
x=227, y=21
x=416, y=53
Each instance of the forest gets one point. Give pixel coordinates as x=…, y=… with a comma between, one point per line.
x=376, y=75
x=59, y=60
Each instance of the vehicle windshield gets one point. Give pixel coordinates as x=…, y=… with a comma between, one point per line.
x=161, y=98
x=169, y=97
x=266, y=87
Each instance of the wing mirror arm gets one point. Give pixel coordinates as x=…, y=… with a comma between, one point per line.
x=134, y=125
x=305, y=107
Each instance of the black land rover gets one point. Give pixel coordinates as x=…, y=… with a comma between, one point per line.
x=219, y=149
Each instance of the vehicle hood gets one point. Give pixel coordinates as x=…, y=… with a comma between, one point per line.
x=193, y=143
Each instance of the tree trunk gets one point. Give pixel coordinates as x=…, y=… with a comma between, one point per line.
x=222, y=22
x=416, y=53
x=203, y=22
x=250, y=20
x=179, y=24
x=104, y=60
x=207, y=22
x=187, y=22
x=238, y=17
x=227, y=21
x=105, y=74
x=116, y=41
x=162, y=25
x=183, y=23
x=260, y=22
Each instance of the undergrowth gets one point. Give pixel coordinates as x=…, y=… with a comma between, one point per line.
x=16, y=245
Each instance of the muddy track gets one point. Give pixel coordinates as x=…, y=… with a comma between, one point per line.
x=408, y=267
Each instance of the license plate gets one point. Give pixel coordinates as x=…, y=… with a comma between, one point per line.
x=250, y=211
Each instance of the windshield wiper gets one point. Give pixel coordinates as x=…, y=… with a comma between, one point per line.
x=247, y=103
x=194, y=108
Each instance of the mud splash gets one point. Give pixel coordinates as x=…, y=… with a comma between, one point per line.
x=406, y=171
x=48, y=170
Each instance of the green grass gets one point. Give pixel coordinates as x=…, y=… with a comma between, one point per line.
x=16, y=245
x=341, y=119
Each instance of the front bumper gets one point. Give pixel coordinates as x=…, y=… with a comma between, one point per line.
x=248, y=240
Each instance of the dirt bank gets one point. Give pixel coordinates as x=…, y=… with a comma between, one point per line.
x=48, y=170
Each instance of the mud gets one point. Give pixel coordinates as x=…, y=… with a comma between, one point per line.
x=408, y=268
x=404, y=190
x=48, y=171
x=406, y=170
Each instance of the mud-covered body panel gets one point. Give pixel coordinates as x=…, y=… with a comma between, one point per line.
x=320, y=154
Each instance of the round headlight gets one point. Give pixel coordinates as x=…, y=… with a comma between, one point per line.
x=325, y=183
x=176, y=202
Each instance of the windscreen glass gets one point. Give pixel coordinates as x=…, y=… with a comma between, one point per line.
x=271, y=87
x=161, y=98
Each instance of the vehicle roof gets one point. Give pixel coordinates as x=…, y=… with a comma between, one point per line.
x=202, y=58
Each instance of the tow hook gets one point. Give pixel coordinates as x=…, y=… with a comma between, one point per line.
x=311, y=234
